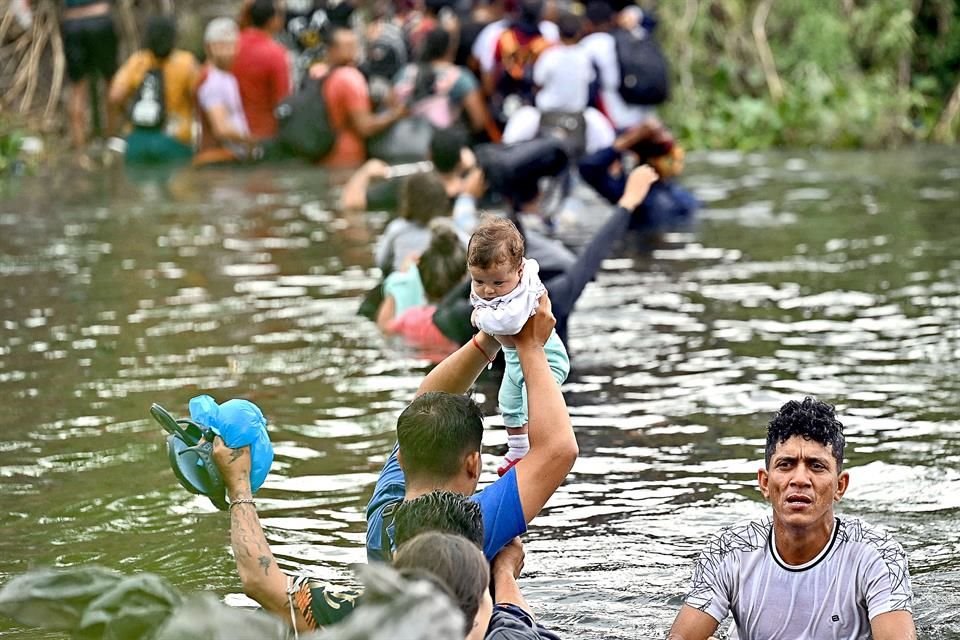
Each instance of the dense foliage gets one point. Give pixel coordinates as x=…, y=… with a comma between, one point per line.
x=753, y=74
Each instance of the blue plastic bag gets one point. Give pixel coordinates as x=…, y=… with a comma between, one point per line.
x=240, y=423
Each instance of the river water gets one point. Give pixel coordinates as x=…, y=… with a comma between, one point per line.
x=829, y=274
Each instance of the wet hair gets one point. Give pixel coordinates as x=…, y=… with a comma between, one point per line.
x=444, y=262
x=443, y=511
x=423, y=197
x=261, y=12
x=570, y=25
x=495, y=241
x=811, y=419
x=436, y=432
x=455, y=562
x=445, y=148
x=161, y=35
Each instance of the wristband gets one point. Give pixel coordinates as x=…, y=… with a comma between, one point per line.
x=243, y=501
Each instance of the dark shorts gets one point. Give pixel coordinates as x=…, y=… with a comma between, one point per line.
x=90, y=46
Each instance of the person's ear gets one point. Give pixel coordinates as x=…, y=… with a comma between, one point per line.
x=763, y=479
x=843, y=482
x=400, y=461
x=471, y=465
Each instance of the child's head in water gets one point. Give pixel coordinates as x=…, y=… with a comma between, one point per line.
x=495, y=258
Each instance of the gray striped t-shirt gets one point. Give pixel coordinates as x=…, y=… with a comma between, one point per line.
x=861, y=573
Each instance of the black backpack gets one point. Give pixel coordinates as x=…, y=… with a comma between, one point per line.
x=303, y=126
x=148, y=110
x=644, y=74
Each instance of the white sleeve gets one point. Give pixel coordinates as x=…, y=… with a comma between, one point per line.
x=541, y=69
x=207, y=97
x=549, y=31
x=485, y=46
x=710, y=592
x=886, y=576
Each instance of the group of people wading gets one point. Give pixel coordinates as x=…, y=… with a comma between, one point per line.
x=478, y=102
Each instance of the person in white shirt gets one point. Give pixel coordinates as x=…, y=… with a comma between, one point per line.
x=505, y=292
x=563, y=74
x=601, y=49
x=804, y=572
x=224, y=135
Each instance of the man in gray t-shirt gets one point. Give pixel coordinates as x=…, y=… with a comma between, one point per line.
x=804, y=572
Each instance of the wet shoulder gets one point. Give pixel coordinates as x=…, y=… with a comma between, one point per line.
x=855, y=531
x=742, y=537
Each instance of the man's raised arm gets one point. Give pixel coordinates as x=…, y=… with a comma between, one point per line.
x=553, y=445
x=260, y=574
x=458, y=372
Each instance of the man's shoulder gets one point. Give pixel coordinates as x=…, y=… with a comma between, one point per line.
x=502, y=489
x=510, y=622
x=742, y=537
x=215, y=79
x=182, y=57
x=345, y=80
x=346, y=74
x=853, y=530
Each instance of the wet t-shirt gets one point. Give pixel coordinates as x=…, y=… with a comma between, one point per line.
x=860, y=574
x=499, y=502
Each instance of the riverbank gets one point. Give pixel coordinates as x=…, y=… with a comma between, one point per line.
x=746, y=75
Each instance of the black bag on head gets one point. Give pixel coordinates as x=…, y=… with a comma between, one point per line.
x=303, y=125
x=148, y=110
x=644, y=73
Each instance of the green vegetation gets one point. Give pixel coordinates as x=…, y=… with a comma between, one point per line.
x=9, y=149
x=753, y=74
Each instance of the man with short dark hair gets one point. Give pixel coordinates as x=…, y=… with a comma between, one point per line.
x=804, y=572
x=439, y=437
x=262, y=68
x=445, y=511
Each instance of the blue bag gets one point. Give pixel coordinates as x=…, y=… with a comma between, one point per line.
x=240, y=423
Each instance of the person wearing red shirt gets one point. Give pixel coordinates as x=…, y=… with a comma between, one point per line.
x=348, y=103
x=262, y=69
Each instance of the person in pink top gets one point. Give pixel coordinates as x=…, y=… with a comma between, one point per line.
x=411, y=294
x=262, y=68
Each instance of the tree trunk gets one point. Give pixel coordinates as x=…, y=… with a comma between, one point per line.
x=944, y=131
x=774, y=85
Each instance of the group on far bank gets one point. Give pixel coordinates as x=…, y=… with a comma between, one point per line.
x=349, y=84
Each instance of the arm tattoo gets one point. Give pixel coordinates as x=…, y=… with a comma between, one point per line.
x=235, y=454
x=265, y=562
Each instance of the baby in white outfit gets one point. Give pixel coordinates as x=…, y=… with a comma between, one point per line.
x=505, y=292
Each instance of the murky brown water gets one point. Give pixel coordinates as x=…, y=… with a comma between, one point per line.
x=828, y=274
